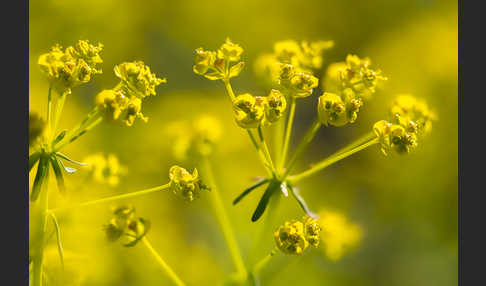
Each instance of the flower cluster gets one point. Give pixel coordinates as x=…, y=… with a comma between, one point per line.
x=104, y=169
x=295, y=236
x=194, y=139
x=338, y=234
x=124, y=102
x=299, y=84
x=184, y=184
x=352, y=82
x=71, y=67
x=216, y=65
x=125, y=224
x=252, y=111
x=411, y=118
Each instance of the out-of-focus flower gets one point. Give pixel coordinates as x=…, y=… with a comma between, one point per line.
x=125, y=224
x=338, y=235
x=105, y=169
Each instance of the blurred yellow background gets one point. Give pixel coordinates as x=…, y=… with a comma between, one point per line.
x=405, y=206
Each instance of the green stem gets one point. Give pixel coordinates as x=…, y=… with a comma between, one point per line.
x=368, y=136
x=229, y=89
x=264, y=261
x=114, y=198
x=265, y=150
x=41, y=230
x=49, y=107
x=278, y=134
x=91, y=120
x=223, y=220
x=302, y=146
x=288, y=132
x=172, y=275
x=57, y=113
x=330, y=160
x=261, y=156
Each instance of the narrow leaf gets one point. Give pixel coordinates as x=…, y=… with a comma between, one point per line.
x=249, y=189
x=40, y=177
x=59, y=137
x=57, y=171
x=262, y=205
x=58, y=235
x=70, y=160
x=302, y=203
x=67, y=169
x=33, y=159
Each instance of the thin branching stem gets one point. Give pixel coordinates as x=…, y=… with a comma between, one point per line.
x=172, y=275
x=288, y=132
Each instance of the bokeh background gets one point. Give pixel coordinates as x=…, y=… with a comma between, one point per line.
x=405, y=206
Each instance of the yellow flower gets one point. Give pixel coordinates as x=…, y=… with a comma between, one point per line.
x=411, y=113
x=184, y=184
x=204, y=61
x=338, y=234
x=331, y=110
x=287, y=52
x=136, y=79
x=290, y=238
x=312, y=53
x=71, y=67
x=302, y=84
x=230, y=51
x=105, y=169
x=275, y=106
x=249, y=110
x=359, y=77
x=312, y=230
x=125, y=224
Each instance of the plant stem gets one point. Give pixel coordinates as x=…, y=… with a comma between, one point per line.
x=41, y=222
x=223, y=220
x=288, y=132
x=278, y=134
x=49, y=108
x=91, y=120
x=114, y=198
x=368, y=136
x=57, y=113
x=229, y=89
x=302, y=146
x=330, y=160
x=261, y=264
x=265, y=151
x=163, y=264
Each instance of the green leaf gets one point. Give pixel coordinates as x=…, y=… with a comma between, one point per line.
x=249, y=189
x=58, y=236
x=40, y=177
x=262, y=205
x=62, y=156
x=33, y=159
x=59, y=137
x=57, y=171
x=301, y=201
x=67, y=169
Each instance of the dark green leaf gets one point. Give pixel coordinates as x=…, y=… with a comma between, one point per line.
x=33, y=159
x=262, y=205
x=59, y=137
x=301, y=202
x=249, y=189
x=57, y=171
x=40, y=177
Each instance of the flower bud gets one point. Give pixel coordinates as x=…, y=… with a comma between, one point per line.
x=275, y=106
x=184, y=184
x=249, y=110
x=311, y=230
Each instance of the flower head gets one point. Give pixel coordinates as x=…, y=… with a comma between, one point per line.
x=302, y=84
x=338, y=235
x=125, y=224
x=295, y=236
x=249, y=110
x=116, y=106
x=184, y=184
x=230, y=51
x=275, y=105
x=71, y=67
x=105, y=169
x=136, y=79
x=338, y=110
x=203, y=61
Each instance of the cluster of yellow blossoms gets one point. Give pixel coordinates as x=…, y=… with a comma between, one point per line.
x=194, y=139
x=104, y=169
x=295, y=236
x=124, y=102
x=184, y=184
x=125, y=224
x=252, y=111
x=354, y=82
x=71, y=67
x=410, y=118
